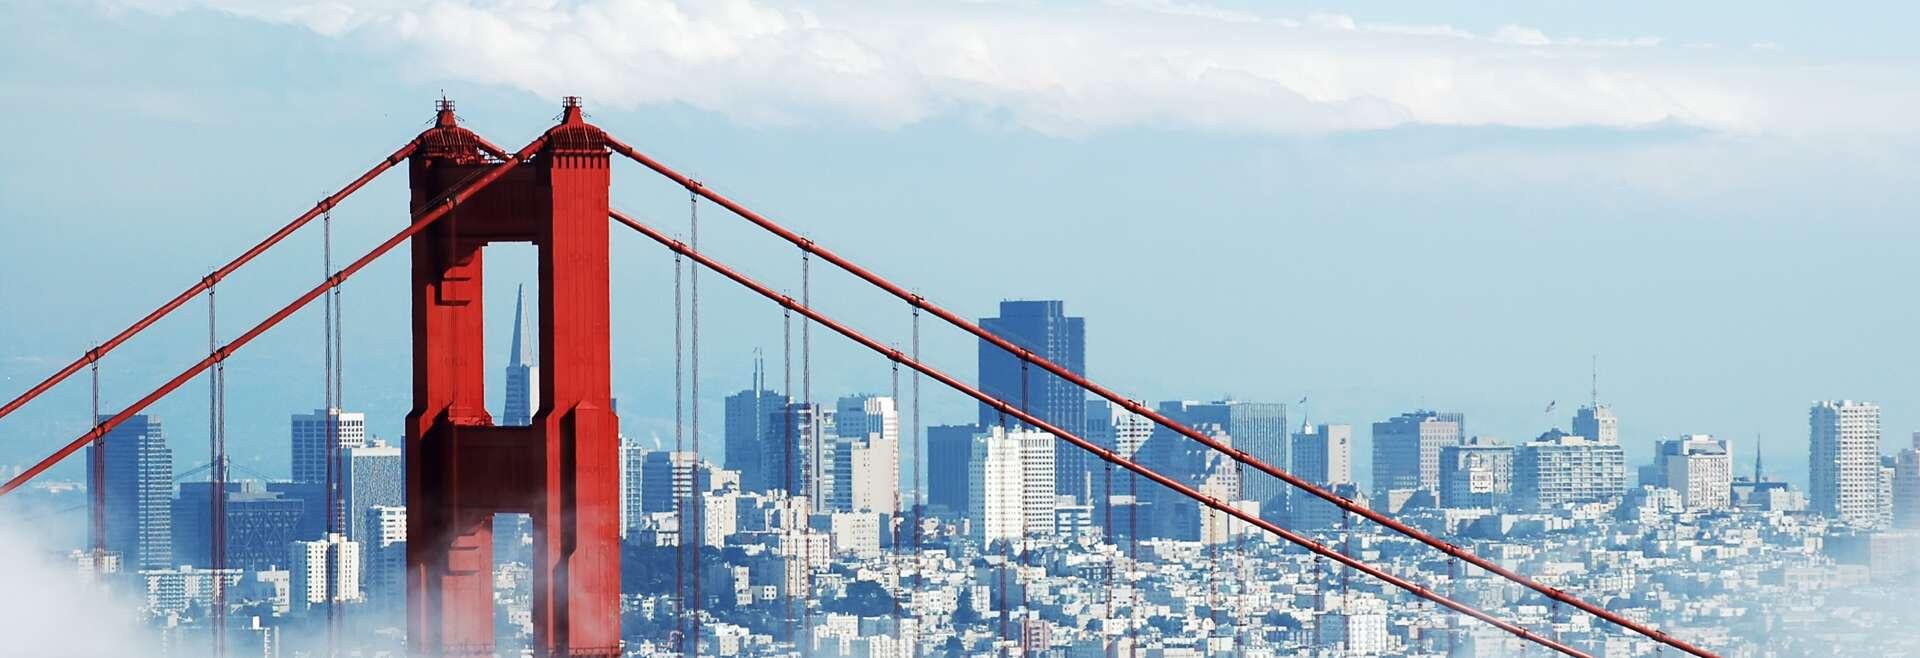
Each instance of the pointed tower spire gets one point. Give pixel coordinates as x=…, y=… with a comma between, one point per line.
x=522, y=331
x=1757, y=457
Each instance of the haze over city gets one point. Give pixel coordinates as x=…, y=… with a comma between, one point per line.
x=1695, y=218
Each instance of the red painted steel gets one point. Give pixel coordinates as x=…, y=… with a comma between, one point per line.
x=194, y=370
x=563, y=469
x=324, y=205
x=1111, y=457
x=1145, y=411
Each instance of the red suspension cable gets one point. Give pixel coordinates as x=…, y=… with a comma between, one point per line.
x=1090, y=447
x=808, y=246
x=188, y=294
x=425, y=218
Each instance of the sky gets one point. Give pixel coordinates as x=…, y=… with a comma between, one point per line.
x=1376, y=207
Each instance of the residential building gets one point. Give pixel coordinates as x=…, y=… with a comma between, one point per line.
x=385, y=573
x=1560, y=468
x=1011, y=475
x=1906, y=486
x=1700, y=467
x=1844, y=461
x=324, y=570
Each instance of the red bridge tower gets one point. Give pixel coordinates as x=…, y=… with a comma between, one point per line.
x=461, y=468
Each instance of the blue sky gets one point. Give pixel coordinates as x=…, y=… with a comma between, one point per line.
x=1379, y=206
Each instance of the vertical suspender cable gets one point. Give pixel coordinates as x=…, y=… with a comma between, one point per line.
x=216, y=481
x=698, y=497
x=918, y=499
x=679, y=445
x=893, y=522
x=813, y=453
x=338, y=513
x=330, y=427
x=791, y=443
x=97, y=464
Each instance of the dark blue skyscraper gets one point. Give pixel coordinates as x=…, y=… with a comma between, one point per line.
x=748, y=414
x=139, y=493
x=1044, y=328
x=523, y=377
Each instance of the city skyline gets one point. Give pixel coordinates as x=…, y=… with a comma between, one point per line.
x=1525, y=293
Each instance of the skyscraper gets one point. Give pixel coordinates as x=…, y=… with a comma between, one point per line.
x=1596, y=421
x=1260, y=428
x=260, y=525
x=863, y=472
x=310, y=441
x=947, y=447
x=748, y=414
x=1844, y=461
x=794, y=437
x=138, y=492
x=385, y=550
x=1043, y=328
x=1323, y=454
x=1010, y=474
x=523, y=373
x=1406, y=450
x=632, y=460
x=375, y=476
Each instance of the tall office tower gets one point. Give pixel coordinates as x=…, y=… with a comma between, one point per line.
x=1476, y=474
x=1596, y=421
x=1323, y=454
x=1115, y=428
x=1043, y=328
x=523, y=373
x=375, y=476
x=748, y=414
x=1906, y=486
x=795, y=437
x=948, y=447
x=1260, y=428
x=1406, y=450
x=863, y=472
x=1188, y=462
x=1011, y=478
x=310, y=441
x=385, y=579
x=1700, y=467
x=324, y=567
x=138, y=492
x=667, y=477
x=1844, y=461
x=632, y=458
x=1560, y=468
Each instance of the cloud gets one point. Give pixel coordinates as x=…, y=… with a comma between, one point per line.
x=1070, y=69
x=52, y=613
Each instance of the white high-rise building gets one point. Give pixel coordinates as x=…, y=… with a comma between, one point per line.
x=1700, y=467
x=323, y=569
x=310, y=441
x=523, y=373
x=631, y=509
x=1559, y=468
x=863, y=462
x=385, y=579
x=1844, y=461
x=1357, y=626
x=1010, y=477
x=375, y=475
x=1116, y=428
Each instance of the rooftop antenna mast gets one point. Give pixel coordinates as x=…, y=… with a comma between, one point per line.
x=1594, y=380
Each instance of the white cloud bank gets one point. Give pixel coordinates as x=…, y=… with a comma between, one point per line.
x=1075, y=69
